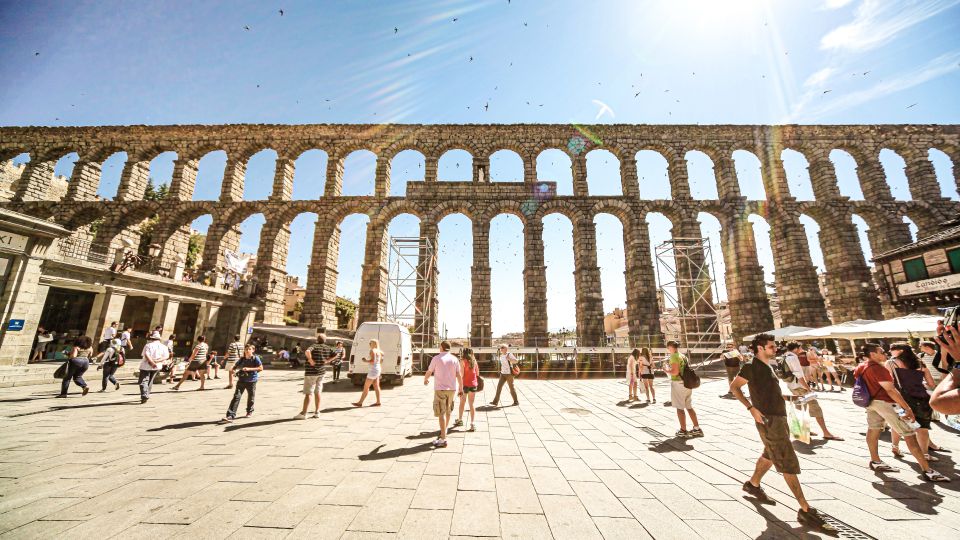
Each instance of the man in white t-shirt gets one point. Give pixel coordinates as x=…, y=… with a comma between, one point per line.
x=109, y=333
x=155, y=353
x=507, y=362
x=799, y=387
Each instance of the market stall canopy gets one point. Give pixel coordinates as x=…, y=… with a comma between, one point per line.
x=828, y=332
x=908, y=326
x=781, y=334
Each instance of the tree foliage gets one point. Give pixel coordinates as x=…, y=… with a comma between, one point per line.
x=345, y=310
x=194, y=248
x=152, y=193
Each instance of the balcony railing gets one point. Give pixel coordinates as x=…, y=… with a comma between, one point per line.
x=82, y=250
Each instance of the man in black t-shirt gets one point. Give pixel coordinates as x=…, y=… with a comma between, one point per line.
x=770, y=414
x=318, y=356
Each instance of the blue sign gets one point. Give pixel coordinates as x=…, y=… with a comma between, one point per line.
x=15, y=325
x=249, y=330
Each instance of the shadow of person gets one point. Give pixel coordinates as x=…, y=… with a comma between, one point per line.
x=781, y=529
x=59, y=408
x=336, y=409
x=234, y=427
x=376, y=454
x=424, y=435
x=808, y=449
x=640, y=406
x=487, y=408
x=184, y=425
x=623, y=403
x=674, y=444
x=920, y=498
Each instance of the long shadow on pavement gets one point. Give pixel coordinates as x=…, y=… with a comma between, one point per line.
x=69, y=407
x=234, y=427
x=675, y=444
x=184, y=425
x=376, y=454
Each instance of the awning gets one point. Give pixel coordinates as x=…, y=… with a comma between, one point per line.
x=908, y=326
x=781, y=334
x=829, y=331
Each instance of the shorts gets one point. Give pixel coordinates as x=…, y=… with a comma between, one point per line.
x=921, y=410
x=312, y=383
x=681, y=397
x=442, y=402
x=196, y=366
x=777, y=446
x=812, y=406
x=882, y=412
x=469, y=389
x=647, y=376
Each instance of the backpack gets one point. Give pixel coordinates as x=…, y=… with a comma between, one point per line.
x=783, y=370
x=690, y=379
x=861, y=393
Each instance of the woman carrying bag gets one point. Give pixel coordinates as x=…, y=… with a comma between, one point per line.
x=77, y=365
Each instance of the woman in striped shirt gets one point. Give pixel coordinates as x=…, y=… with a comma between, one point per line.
x=198, y=363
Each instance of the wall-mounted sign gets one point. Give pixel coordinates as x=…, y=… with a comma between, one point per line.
x=15, y=325
x=929, y=285
x=13, y=242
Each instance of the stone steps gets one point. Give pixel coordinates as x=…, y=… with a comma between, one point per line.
x=42, y=373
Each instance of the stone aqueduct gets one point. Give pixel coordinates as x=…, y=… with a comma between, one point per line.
x=848, y=275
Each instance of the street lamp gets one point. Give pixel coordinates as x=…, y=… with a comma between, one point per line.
x=154, y=250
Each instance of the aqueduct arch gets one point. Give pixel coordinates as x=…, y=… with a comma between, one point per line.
x=529, y=197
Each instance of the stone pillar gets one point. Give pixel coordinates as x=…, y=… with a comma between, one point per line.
x=579, y=167
x=283, y=180
x=797, y=286
x=629, y=181
x=529, y=168
x=888, y=235
x=34, y=181
x=481, y=169
x=746, y=290
x=373, y=287
x=955, y=166
x=430, y=163
x=679, y=177
x=873, y=179
x=728, y=185
x=850, y=287
x=823, y=178
x=320, y=300
x=271, y=270
x=333, y=186
x=184, y=180
x=233, y=176
x=922, y=178
x=693, y=285
x=481, y=311
x=772, y=172
x=426, y=319
x=133, y=180
x=165, y=315
x=643, y=308
x=84, y=181
x=382, y=177
x=220, y=237
x=111, y=308
x=23, y=298
x=589, y=294
x=534, y=285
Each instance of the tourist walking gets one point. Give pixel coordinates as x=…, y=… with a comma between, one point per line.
x=111, y=358
x=109, y=334
x=812, y=373
x=233, y=354
x=509, y=368
x=881, y=411
x=447, y=383
x=681, y=397
x=470, y=374
x=800, y=387
x=318, y=357
x=170, y=366
x=197, y=363
x=646, y=374
x=828, y=362
x=80, y=355
x=731, y=362
x=912, y=378
x=766, y=405
x=633, y=362
x=373, y=376
x=338, y=362
x=155, y=353
x=248, y=370
x=126, y=339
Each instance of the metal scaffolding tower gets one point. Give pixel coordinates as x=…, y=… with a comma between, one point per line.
x=411, y=287
x=685, y=273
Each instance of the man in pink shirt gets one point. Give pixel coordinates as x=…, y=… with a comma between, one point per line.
x=447, y=384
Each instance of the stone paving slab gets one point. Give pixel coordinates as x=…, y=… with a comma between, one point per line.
x=574, y=461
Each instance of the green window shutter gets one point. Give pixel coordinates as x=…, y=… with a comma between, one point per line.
x=954, y=256
x=916, y=269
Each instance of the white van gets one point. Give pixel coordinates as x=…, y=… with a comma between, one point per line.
x=397, y=352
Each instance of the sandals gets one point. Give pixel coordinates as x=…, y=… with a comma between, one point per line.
x=832, y=438
x=934, y=476
x=879, y=466
x=931, y=459
x=897, y=453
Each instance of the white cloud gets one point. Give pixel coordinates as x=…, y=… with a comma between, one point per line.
x=937, y=67
x=819, y=78
x=878, y=21
x=835, y=4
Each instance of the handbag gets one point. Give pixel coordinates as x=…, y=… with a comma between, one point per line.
x=479, y=383
x=61, y=372
x=515, y=370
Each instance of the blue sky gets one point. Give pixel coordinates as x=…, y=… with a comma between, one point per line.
x=657, y=62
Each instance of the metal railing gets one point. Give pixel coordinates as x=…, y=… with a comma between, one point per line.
x=82, y=250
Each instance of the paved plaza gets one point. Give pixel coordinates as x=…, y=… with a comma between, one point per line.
x=573, y=461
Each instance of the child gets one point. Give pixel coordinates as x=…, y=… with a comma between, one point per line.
x=248, y=372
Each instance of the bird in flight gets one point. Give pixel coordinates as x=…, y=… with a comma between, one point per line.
x=604, y=108
x=486, y=106
x=281, y=13
x=914, y=105
x=455, y=19
x=245, y=27
x=827, y=91
x=395, y=29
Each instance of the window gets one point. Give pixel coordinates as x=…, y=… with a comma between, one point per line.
x=916, y=269
x=953, y=255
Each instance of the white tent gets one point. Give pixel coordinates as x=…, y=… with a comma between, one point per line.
x=830, y=331
x=781, y=334
x=913, y=325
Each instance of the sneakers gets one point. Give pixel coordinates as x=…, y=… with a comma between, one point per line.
x=682, y=433
x=316, y=414
x=300, y=416
x=879, y=466
x=85, y=390
x=696, y=432
x=249, y=414
x=226, y=419
x=757, y=493
x=104, y=390
x=440, y=443
x=811, y=518
x=457, y=423
x=117, y=386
